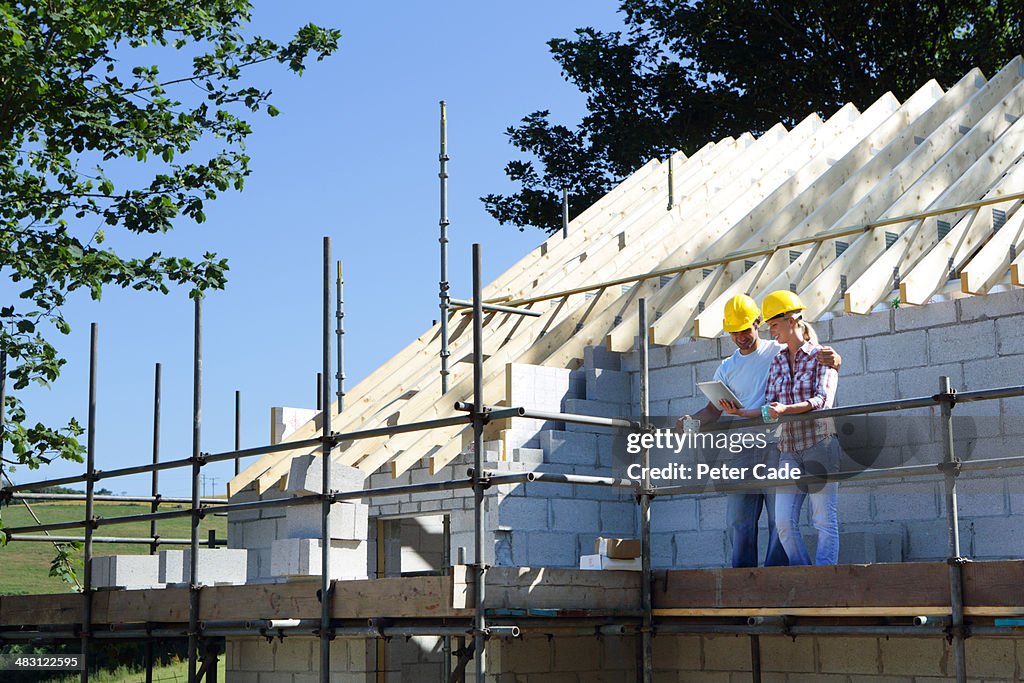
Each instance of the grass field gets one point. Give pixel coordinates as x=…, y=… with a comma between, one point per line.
x=25, y=566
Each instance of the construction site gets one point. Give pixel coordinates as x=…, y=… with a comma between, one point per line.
x=430, y=523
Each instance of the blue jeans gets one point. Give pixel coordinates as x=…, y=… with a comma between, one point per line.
x=821, y=457
x=743, y=511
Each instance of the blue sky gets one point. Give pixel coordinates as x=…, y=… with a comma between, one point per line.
x=353, y=155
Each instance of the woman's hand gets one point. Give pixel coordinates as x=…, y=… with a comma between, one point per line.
x=775, y=409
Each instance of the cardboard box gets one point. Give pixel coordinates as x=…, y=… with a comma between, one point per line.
x=604, y=562
x=618, y=548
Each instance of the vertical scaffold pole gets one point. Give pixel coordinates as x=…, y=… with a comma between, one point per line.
x=154, y=486
x=155, y=505
x=90, y=485
x=3, y=410
x=444, y=223
x=340, y=314
x=951, y=468
x=325, y=492
x=238, y=429
x=671, y=184
x=647, y=653
x=197, y=411
x=479, y=622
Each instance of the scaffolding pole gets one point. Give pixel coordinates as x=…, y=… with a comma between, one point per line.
x=325, y=492
x=340, y=331
x=479, y=480
x=646, y=631
x=154, y=485
x=950, y=468
x=238, y=429
x=197, y=464
x=443, y=224
x=90, y=484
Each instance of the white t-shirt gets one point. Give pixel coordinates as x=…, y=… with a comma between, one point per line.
x=747, y=375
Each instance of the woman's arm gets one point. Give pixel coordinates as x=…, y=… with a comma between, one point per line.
x=826, y=380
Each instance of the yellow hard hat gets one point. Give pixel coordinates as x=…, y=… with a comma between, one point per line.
x=780, y=302
x=741, y=313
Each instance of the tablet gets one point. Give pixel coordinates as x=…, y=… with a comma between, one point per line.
x=717, y=391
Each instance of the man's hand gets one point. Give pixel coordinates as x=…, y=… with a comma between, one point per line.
x=680, y=424
x=829, y=357
x=729, y=407
x=775, y=409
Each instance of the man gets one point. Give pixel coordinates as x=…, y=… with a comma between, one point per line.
x=745, y=372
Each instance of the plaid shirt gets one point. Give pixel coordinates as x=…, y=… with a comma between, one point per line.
x=810, y=381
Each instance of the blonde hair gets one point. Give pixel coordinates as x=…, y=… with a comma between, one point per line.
x=806, y=331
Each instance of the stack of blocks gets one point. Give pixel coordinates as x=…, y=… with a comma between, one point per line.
x=225, y=566
x=299, y=554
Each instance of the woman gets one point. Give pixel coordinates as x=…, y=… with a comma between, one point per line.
x=798, y=383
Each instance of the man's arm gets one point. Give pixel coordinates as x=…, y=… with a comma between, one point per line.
x=706, y=415
x=830, y=358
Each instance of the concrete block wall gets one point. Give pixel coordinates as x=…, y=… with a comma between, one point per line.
x=297, y=660
x=890, y=354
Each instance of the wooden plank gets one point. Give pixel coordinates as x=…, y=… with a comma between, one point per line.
x=19, y=610
x=1017, y=270
x=843, y=586
x=989, y=265
x=805, y=612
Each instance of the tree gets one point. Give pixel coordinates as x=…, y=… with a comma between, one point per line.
x=685, y=73
x=93, y=138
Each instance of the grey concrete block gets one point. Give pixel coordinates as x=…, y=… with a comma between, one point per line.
x=607, y=385
x=991, y=659
x=927, y=541
x=1009, y=339
x=600, y=357
x=991, y=306
x=962, y=342
x=925, y=317
x=346, y=521
x=906, y=501
x=662, y=550
x=297, y=557
x=216, y=566
x=896, y=351
x=171, y=566
x=552, y=549
x=848, y=655
x=306, y=476
x=699, y=549
x=850, y=326
x=657, y=357
x=852, y=353
x=989, y=373
x=925, y=381
x=529, y=456
x=575, y=515
x=132, y=572
x=630, y=362
x=619, y=518
x=915, y=656
x=998, y=537
x=570, y=448
x=524, y=513
x=981, y=497
x=674, y=514
x=853, y=505
x=688, y=351
x=669, y=383
x=712, y=512
x=866, y=388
